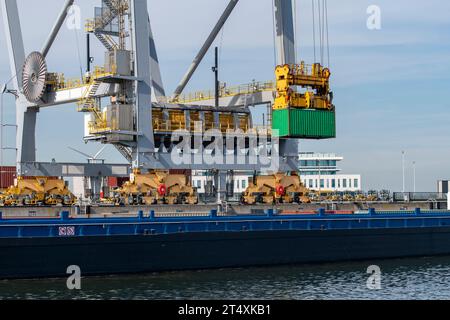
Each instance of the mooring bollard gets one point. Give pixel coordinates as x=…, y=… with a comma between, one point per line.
x=64, y=215
x=140, y=215
x=372, y=211
x=152, y=215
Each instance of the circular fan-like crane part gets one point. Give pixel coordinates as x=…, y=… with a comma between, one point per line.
x=34, y=75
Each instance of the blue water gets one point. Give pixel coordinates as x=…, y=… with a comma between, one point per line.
x=421, y=278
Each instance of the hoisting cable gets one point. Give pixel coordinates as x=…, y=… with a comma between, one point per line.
x=328, y=38
x=314, y=29
x=297, y=53
x=323, y=32
x=78, y=52
x=220, y=51
x=11, y=79
x=221, y=45
x=320, y=31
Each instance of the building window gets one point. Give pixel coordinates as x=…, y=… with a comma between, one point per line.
x=311, y=183
x=333, y=183
x=355, y=183
x=339, y=183
x=344, y=183
x=349, y=183
x=244, y=184
x=322, y=183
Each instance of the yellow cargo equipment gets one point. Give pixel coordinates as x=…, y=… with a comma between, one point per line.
x=37, y=191
x=315, y=80
x=276, y=188
x=156, y=187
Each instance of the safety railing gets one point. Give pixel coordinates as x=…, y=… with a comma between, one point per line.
x=262, y=130
x=98, y=126
x=89, y=25
x=168, y=126
x=58, y=82
x=200, y=127
x=103, y=18
x=224, y=92
x=419, y=196
x=301, y=69
x=68, y=84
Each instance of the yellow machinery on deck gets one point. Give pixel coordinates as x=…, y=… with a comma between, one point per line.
x=156, y=187
x=276, y=188
x=37, y=191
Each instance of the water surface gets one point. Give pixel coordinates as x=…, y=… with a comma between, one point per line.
x=420, y=278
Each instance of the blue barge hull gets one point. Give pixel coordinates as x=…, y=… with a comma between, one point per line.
x=45, y=248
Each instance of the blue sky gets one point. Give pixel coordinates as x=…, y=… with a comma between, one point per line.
x=390, y=85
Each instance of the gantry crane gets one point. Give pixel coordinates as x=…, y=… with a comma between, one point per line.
x=141, y=129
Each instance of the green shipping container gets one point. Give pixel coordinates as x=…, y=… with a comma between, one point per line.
x=304, y=123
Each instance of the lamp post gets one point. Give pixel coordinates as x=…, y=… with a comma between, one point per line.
x=215, y=69
x=403, y=171
x=414, y=176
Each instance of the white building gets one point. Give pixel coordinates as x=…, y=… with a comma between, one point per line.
x=319, y=171
x=241, y=181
